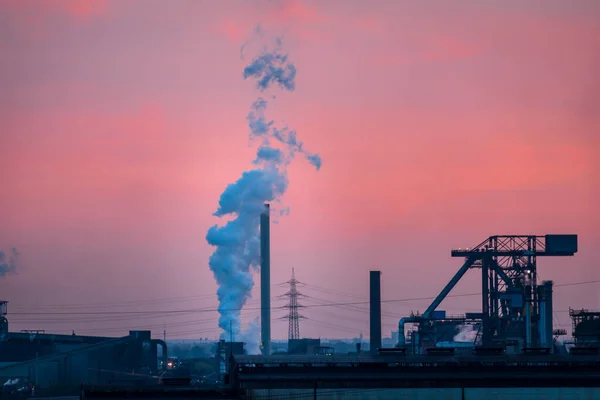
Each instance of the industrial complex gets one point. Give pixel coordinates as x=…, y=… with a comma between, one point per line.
x=514, y=346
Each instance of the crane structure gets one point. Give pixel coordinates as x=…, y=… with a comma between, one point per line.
x=513, y=305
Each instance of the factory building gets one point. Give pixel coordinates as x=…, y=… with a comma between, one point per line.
x=303, y=346
x=225, y=350
x=586, y=328
x=48, y=361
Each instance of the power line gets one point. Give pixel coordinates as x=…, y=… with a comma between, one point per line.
x=330, y=291
x=200, y=310
x=129, y=302
x=576, y=283
x=107, y=316
x=120, y=303
x=122, y=318
x=150, y=314
x=351, y=308
x=118, y=319
x=334, y=326
x=137, y=327
x=332, y=315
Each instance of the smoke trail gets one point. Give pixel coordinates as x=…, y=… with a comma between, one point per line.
x=272, y=67
x=260, y=128
x=251, y=337
x=237, y=242
x=8, y=263
x=467, y=333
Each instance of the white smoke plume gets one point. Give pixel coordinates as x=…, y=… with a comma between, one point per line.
x=467, y=333
x=261, y=129
x=272, y=67
x=8, y=262
x=237, y=242
x=251, y=337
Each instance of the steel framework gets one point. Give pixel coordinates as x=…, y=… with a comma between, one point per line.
x=586, y=328
x=508, y=278
x=293, y=315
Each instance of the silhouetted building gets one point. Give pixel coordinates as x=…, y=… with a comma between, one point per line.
x=303, y=346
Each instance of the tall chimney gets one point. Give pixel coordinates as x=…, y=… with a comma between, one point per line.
x=265, y=281
x=541, y=325
x=546, y=314
x=375, y=314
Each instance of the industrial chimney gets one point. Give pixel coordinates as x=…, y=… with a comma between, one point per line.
x=265, y=281
x=545, y=327
x=375, y=313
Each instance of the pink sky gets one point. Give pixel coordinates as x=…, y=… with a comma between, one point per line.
x=439, y=125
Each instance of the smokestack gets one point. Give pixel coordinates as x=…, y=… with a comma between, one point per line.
x=541, y=325
x=375, y=301
x=545, y=321
x=265, y=281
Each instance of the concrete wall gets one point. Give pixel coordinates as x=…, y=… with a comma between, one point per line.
x=432, y=394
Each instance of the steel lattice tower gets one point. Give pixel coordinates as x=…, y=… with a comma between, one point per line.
x=293, y=315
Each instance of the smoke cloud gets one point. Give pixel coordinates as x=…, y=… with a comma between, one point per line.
x=237, y=242
x=272, y=68
x=261, y=129
x=466, y=333
x=8, y=262
x=251, y=337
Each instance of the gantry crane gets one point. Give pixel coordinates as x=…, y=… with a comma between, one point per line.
x=510, y=294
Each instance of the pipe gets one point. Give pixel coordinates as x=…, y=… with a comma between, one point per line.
x=485, y=301
x=528, y=319
x=401, y=337
x=417, y=343
x=265, y=281
x=165, y=354
x=375, y=311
